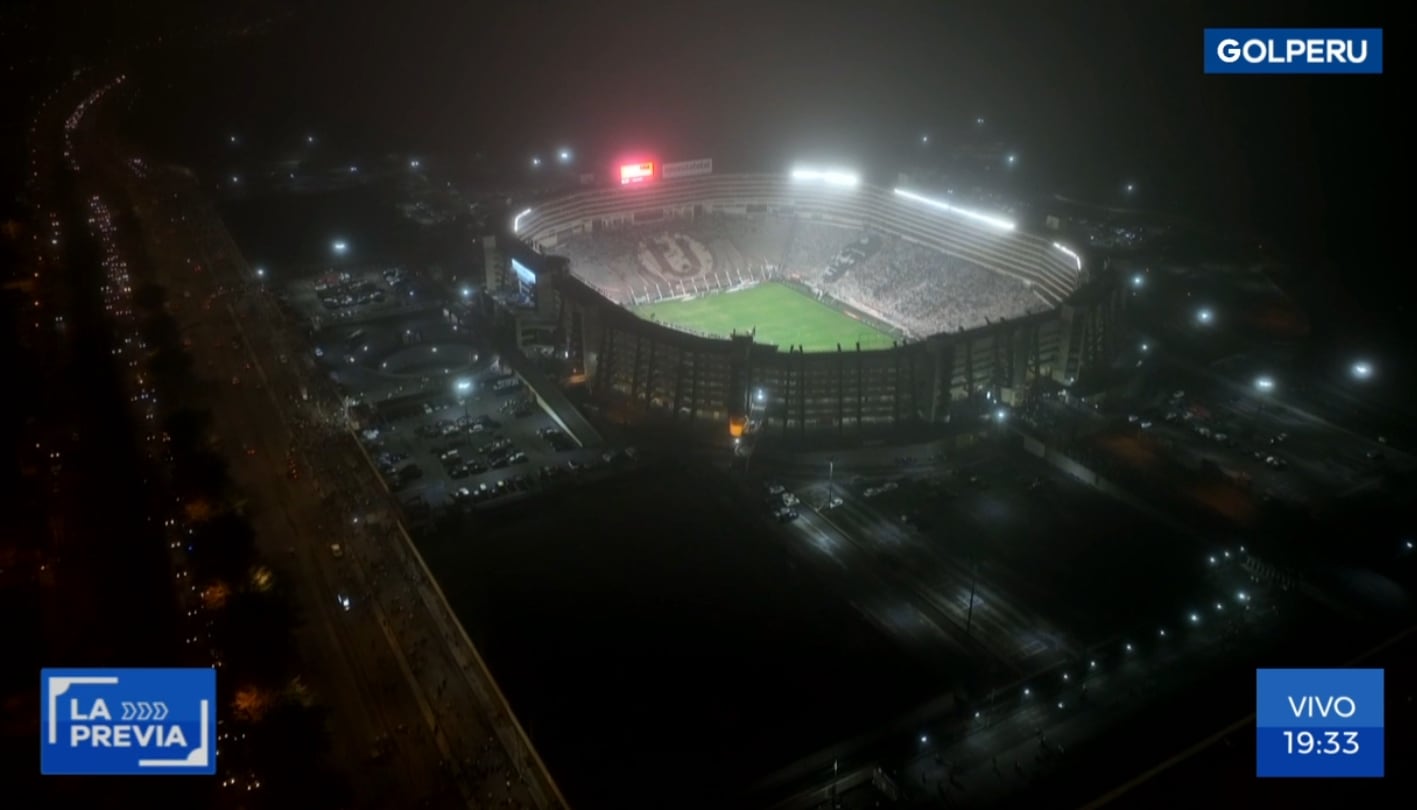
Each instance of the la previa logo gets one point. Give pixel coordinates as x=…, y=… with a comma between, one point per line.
x=127, y=721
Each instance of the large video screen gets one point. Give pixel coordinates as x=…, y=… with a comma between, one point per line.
x=636, y=173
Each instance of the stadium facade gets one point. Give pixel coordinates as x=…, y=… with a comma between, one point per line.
x=659, y=371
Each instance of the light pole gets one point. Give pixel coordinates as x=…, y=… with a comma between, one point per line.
x=973, y=581
x=831, y=482
x=463, y=387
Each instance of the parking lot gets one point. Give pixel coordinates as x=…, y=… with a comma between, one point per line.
x=491, y=447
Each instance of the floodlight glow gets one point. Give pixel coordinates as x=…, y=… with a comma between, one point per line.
x=1362, y=370
x=979, y=121
x=1131, y=187
x=924, y=138
x=464, y=385
x=1000, y=415
x=829, y=176
x=353, y=169
x=992, y=221
x=260, y=272
x=1265, y=383
x=565, y=155
x=1077, y=260
x=309, y=138
x=536, y=161
x=413, y=164
x=1138, y=280
x=1205, y=315
x=517, y=221
x=1010, y=159
x=339, y=246
x=1146, y=347
x=466, y=292
x=235, y=179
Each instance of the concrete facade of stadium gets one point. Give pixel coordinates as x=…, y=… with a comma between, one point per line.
x=660, y=371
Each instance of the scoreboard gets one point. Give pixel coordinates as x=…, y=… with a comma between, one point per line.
x=631, y=173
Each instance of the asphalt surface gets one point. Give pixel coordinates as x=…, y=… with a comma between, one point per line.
x=395, y=673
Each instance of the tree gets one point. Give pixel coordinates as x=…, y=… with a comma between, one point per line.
x=222, y=548
x=200, y=474
x=150, y=297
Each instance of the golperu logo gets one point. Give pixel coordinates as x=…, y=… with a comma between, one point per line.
x=1294, y=50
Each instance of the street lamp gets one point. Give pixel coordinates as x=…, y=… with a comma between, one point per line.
x=260, y=272
x=414, y=164
x=1138, y=280
x=1265, y=384
x=565, y=156
x=463, y=387
x=1011, y=159
x=1362, y=370
x=1205, y=315
x=340, y=247
x=536, y=161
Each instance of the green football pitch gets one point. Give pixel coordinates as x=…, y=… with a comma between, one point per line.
x=781, y=315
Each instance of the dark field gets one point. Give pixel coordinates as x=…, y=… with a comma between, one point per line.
x=656, y=644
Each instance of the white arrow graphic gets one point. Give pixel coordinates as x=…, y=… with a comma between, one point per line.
x=145, y=710
x=159, y=710
x=129, y=710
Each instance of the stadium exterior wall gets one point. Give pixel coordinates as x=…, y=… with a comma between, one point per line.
x=667, y=374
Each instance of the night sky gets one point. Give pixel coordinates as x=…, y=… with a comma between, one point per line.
x=1090, y=94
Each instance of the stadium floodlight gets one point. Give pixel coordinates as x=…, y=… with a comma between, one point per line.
x=832, y=177
x=1131, y=187
x=1000, y=415
x=760, y=395
x=1362, y=370
x=1145, y=347
x=1077, y=260
x=1265, y=384
x=565, y=155
x=260, y=272
x=340, y=247
x=1011, y=159
x=517, y=221
x=992, y=221
x=1138, y=280
x=536, y=161
x=924, y=739
x=464, y=385
x=1205, y=315
x=466, y=292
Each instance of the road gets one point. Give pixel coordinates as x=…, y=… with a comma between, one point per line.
x=384, y=666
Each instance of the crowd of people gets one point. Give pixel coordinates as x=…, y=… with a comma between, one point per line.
x=920, y=290
x=706, y=251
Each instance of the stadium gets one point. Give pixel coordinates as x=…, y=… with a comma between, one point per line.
x=806, y=301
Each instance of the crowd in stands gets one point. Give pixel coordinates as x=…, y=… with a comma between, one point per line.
x=917, y=289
